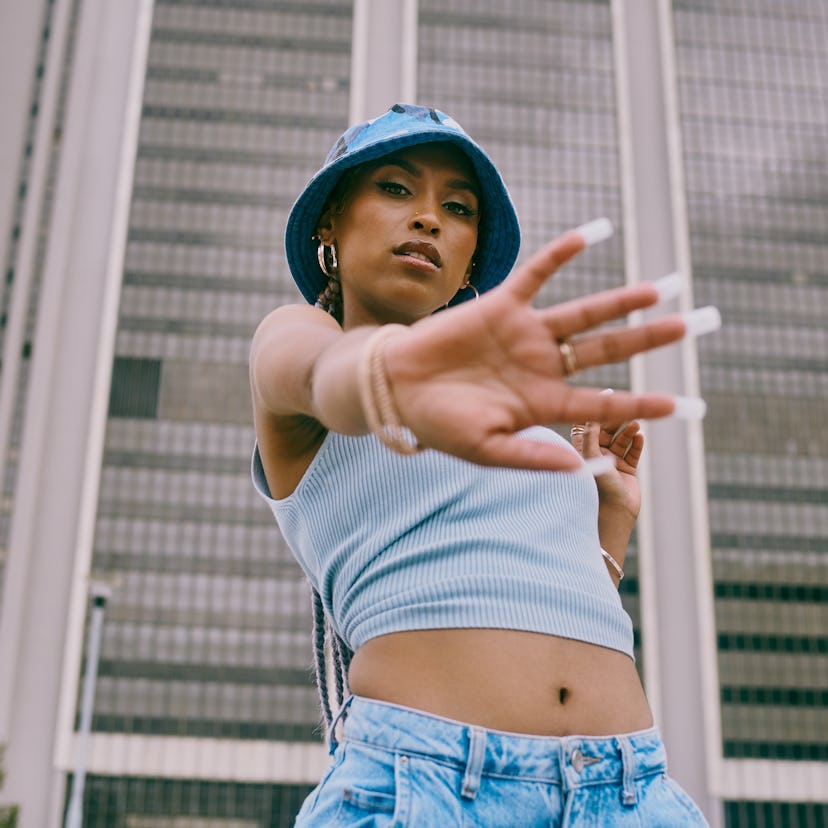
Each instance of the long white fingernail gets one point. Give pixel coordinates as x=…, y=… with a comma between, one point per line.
x=596, y=466
x=702, y=320
x=690, y=408
x=595, y=231
x=669, y=286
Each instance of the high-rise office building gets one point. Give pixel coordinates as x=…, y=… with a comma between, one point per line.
x=150, y=157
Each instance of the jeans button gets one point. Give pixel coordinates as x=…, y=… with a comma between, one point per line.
x=577, y=760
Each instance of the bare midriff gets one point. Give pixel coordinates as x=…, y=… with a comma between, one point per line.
x=520, y=682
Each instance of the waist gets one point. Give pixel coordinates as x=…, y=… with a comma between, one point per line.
x=508, y=680
x=571, y=760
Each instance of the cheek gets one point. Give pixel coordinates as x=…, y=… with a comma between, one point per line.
x=469, y=244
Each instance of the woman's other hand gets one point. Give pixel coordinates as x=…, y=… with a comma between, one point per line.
x=619, y=493
x=618, y=487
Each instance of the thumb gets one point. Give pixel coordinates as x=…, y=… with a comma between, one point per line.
x=591, y=447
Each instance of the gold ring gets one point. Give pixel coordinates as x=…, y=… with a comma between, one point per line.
x=570, y=362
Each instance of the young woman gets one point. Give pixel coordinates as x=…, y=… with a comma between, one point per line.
x=466, y=555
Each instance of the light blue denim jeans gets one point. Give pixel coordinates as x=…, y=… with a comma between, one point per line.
x=397, y=767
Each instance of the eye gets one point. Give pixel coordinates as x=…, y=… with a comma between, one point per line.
x=460, y=209
x=393, y=187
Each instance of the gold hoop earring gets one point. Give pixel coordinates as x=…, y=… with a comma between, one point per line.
x=330, y=271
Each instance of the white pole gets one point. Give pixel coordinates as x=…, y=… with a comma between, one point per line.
x=100, y=593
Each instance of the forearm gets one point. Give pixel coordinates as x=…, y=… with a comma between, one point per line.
x=334, y=383
x=615, y=527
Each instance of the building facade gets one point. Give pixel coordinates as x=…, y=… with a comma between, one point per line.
x=149, y=160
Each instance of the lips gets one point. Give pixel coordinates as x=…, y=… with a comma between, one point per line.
x=420, y=250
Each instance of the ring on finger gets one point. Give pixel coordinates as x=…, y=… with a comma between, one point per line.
x=577, y=431
x=570, y=361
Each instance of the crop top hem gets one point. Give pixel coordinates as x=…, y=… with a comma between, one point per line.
x=468, y=602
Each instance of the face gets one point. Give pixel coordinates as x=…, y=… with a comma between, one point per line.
x=405, y=234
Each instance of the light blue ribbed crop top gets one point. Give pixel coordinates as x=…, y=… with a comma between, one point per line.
x=396, y=543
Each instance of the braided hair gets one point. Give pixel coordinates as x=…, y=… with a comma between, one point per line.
x=324, y=636
x=330, y=299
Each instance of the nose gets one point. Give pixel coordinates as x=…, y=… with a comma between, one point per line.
x=425, y=219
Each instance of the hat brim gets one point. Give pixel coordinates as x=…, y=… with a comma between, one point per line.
x=498, y=233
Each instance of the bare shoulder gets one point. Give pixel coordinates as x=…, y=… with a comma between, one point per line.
x=288, y=321
x=284, y=348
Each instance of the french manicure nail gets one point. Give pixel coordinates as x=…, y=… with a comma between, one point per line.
x=690, y=408
x=702, y=320
x=606, y=391
x=669, y=286
x=596, y=466
x=595, y=231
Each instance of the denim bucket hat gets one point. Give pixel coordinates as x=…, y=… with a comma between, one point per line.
x=498, y=235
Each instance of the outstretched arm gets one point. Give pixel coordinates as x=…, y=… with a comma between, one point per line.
x=467, y=379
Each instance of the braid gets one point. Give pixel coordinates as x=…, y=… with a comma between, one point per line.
x=338, y=669
x=324, y=633
x=319, y=656
x=330, y=299
x=347, y=654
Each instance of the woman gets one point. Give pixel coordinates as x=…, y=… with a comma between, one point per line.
x=462, y=551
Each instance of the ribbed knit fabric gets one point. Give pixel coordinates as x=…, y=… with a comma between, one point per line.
x=429, y=541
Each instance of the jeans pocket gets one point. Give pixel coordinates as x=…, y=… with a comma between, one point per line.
x=376, y=791
x=369, y=801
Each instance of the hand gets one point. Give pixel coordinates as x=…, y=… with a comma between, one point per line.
x=618, y=489
x=465, y=380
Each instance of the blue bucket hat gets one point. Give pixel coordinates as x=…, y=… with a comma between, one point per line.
x=498, y=235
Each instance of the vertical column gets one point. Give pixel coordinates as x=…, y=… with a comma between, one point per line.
x=383, y=57
x=65, y=407
x=20, y=30
x=676, y=580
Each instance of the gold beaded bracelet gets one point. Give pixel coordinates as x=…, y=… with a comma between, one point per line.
x=614, y=564
x=377, y=397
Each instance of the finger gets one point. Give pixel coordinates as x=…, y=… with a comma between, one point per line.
x=578, y=315
x=620, y=344
x=592, y=447
x=628, y=443
x=576, y=436
x=621, y=449
x=614, y=432
x=577, y=405
x=516, y=452
x=528, y=279
x=634, y=450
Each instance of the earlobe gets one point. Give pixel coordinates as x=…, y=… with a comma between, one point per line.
x=468, y=274
x=325, y=230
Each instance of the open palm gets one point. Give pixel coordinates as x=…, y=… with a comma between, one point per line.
x=467, y=379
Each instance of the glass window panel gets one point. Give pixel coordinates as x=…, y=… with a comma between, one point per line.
x=753, y=87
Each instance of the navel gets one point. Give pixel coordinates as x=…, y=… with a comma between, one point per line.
x=563, y=695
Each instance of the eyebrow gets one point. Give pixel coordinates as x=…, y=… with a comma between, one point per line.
x=413, y=169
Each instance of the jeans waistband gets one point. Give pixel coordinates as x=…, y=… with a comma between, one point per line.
x=571, y=761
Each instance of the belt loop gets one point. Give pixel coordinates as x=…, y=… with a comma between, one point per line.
x=628, y=795
x=474, y=762
x=332, y=743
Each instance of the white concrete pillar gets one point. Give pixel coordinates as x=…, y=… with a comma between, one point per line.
x=678, y=633
x=67, y=393
x=383, y=56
